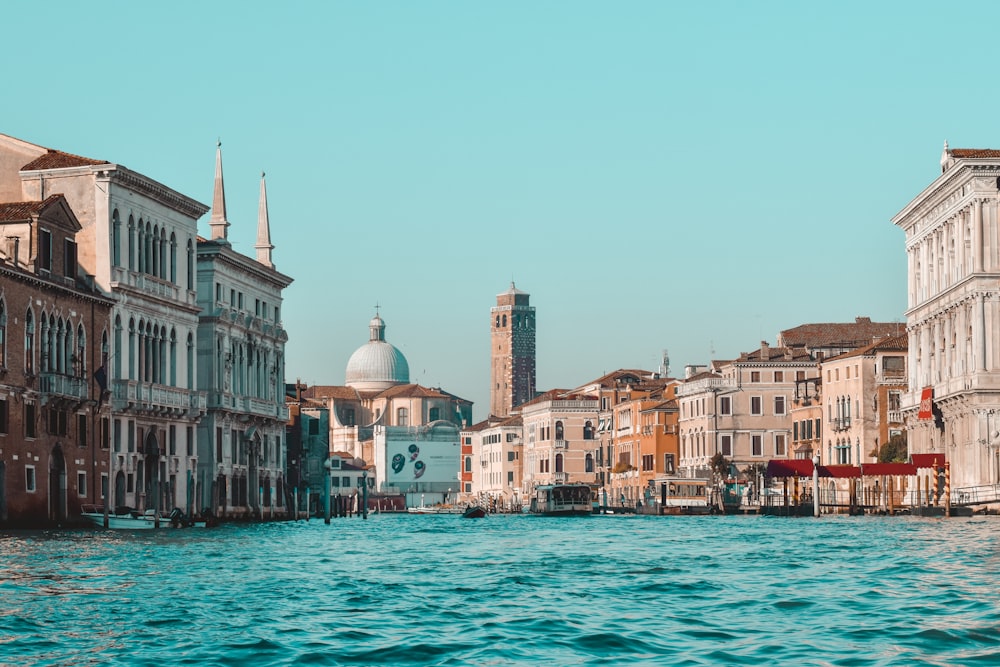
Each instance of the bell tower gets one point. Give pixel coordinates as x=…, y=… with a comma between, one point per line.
x=512, y=368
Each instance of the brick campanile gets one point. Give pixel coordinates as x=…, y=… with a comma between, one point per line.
x=512, y=371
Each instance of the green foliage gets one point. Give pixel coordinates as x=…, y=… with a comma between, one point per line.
x=894, y=451
x=720, y=466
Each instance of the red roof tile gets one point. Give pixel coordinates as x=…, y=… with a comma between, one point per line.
x=974, y=153
x=24, y=210
x=58, y=160
x=839, y=334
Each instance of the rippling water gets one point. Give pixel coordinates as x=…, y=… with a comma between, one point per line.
x=508, y=590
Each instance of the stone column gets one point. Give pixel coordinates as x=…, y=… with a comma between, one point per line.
x=979, y=332
x=977, y=236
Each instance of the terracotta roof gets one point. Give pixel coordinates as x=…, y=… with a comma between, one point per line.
x=974, y=153
x=767, y=353
x=839, y=334
x=887, y=344
x=411, y=391
x=24, y=210
x=330, y=391
x=58, y=160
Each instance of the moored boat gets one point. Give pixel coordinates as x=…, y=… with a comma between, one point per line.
x=681, y=495
x=562, y=500
x=126, y=518
x=474, y=512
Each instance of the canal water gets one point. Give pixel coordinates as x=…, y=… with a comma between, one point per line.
x=508, y=590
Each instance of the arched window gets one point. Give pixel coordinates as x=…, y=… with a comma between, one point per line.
x=131, y=243
x=132, y=350
x=588, y=431
x=173, y=258
x=190, y=361
x=80, y=369
x=116, y=371
x=155, y=251
x=559, y=462
x=3, y=334
x=559, y=431
x=173, y=358
x=29, y=343
x=504, y=320
x=116, y=239
x=141, y=247
x=588, y=463
x=190, y=265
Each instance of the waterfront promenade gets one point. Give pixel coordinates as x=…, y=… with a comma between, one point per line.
x=509, y=590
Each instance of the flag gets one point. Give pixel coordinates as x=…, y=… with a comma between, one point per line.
x=102, y=379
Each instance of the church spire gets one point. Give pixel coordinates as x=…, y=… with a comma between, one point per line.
x=218, y=222
x=263, y=246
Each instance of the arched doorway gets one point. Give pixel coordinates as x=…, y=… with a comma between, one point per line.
x=119, y=499
x=220, y=489
x=3, y=491
x=151, y=471
x=57, y=484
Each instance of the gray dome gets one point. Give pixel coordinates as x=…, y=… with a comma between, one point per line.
x=377, y=365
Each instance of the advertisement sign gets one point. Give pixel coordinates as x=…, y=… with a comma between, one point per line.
x=411, y=461
x=926, y=404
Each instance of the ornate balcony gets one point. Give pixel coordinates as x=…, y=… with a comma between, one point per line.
x=156, y=399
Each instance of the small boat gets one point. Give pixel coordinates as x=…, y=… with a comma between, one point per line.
x=122, y=518
x=562, y=500
x=473, y=512
x=126, y=518
x=435, y=509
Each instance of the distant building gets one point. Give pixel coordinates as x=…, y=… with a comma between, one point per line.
x=861, y=394
x=378, y=414
x=741, y=408
x=54, y=336
x=952, y=403
x=828, y=339
x=512, y=352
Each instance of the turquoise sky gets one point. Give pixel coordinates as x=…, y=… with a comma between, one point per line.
x=693, y=177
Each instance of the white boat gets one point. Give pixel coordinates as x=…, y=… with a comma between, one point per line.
x=435, y=509
x=126, y=518
x=562, y=500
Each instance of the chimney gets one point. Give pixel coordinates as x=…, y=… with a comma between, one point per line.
x=765, y=350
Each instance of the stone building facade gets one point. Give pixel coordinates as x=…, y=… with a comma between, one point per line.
x=241, y=367
x=54, y=335
x=952, y=241
x=512, y=355
x=138, y=241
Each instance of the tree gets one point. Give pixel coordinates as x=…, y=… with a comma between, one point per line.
x=894, y=451
x=720, y=466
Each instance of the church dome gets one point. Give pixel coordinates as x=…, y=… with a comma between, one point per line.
x=377, y=365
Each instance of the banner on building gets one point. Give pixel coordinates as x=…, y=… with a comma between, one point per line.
x=926, y=404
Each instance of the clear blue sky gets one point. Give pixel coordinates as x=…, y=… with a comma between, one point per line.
x=693, y=177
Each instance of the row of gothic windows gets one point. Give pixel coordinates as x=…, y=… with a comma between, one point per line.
x=150, y=249
x=63, y=347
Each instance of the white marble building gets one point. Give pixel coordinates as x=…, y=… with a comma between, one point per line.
x=953, y=316
x=241, y=355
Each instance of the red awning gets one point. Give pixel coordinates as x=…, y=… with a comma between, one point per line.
x=839, y=471
x=928, y=460
x=790, y=468
x=888, y=469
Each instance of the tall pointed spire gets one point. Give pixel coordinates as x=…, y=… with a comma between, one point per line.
x=263, y=244
x=218, y=222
